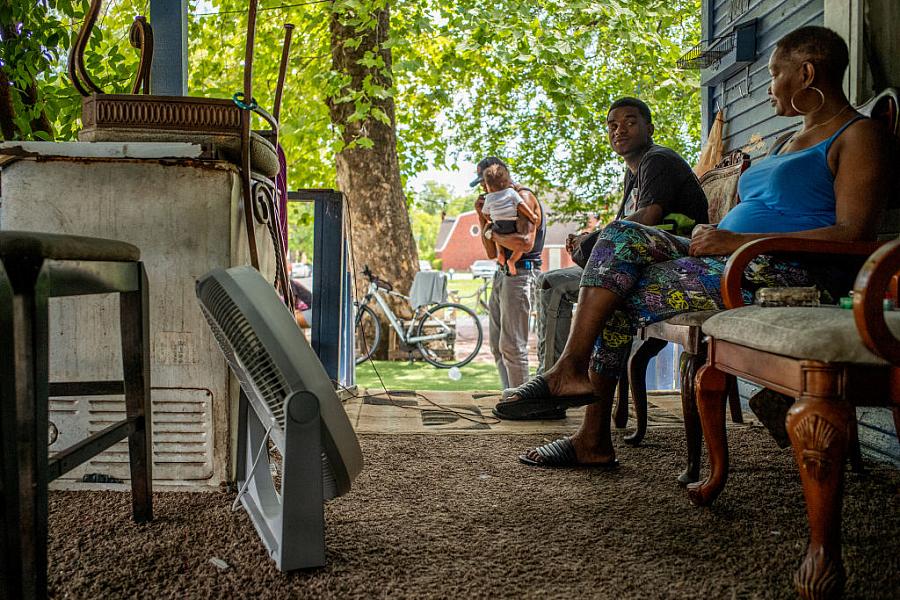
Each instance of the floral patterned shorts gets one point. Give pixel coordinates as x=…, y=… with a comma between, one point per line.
x=657, y=279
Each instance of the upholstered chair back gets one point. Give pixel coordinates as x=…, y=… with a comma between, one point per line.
x=885, y=107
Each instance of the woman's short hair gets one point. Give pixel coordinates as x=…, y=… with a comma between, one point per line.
x=824, y=48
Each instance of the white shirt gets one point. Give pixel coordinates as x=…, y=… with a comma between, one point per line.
x=501, y=206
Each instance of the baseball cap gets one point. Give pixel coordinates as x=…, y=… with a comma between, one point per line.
x=483, y=164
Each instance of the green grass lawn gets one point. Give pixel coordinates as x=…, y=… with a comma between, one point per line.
x=403, y=375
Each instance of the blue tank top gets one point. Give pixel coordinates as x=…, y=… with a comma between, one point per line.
x=787, y=192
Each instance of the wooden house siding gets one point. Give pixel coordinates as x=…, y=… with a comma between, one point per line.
x=751, y=122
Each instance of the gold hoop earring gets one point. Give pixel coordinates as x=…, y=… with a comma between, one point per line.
x=813, y=88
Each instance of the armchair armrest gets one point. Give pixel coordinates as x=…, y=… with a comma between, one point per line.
x=737, y=262
x=868, y=293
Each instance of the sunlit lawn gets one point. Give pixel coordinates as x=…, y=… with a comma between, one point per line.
x=403, y=375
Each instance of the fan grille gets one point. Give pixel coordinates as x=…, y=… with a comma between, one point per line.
x=249, y=360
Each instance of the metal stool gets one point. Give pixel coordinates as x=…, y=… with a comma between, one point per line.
x=33, y=268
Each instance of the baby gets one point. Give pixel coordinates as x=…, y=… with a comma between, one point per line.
x=502, y=207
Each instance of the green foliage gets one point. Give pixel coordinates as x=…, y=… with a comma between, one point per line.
x=300, y=228
x=528, y=80
x=425, y=209
x=531, y=81
x=34, y=59
x=425, y=227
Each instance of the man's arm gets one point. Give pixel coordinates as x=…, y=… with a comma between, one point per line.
x=490, y=248
x=651, y=214
x=523, y=239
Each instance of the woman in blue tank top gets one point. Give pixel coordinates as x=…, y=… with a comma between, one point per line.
x=828, y=182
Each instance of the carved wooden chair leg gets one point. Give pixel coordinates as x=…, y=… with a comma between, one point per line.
x=620, y=416
x=819, y=431
x=637, y=374
x=690, y=365
x=734, y=400
x=135, y=322
x=711, y=389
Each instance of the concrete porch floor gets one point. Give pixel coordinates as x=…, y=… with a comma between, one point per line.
x=436, y=412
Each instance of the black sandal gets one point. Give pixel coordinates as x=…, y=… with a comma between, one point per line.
x=535, y=403
x=561, y=454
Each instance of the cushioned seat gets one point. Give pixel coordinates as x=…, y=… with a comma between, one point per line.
x=65, y=247
x=822, y=333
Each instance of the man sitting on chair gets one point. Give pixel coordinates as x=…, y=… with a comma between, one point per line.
x=659, y=187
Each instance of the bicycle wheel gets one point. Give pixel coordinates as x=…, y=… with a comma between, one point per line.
x=368, y=333
x=456, y=333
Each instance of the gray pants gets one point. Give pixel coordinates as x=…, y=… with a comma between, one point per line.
x=510, y=305
x=556, y=291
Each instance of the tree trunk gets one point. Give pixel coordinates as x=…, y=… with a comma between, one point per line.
x=379, y=226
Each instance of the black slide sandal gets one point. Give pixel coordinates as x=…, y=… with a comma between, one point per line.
x=561, y=454
x=535, y=403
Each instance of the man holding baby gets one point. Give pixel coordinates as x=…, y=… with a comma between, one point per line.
x=519, y=255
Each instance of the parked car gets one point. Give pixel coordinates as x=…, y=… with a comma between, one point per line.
x=300, y=270
x=483, y=268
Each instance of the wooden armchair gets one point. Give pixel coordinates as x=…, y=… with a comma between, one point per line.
x=830, y=360
x=720, y=187
x=685, y=329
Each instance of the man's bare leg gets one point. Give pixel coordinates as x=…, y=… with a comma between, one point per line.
x=593, y=440
x=569, y=376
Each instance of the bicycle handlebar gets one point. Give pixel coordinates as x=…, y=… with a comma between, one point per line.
x=376, y=280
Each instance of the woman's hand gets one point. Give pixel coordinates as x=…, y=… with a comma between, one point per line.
x=706, y=240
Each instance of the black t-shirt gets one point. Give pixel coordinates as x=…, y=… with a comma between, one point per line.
x=664, y=178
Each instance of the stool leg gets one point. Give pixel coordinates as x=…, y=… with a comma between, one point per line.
x=10, y=532
x=23, y=433
x=135, y=323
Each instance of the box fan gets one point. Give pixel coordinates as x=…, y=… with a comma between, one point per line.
x=286, y=397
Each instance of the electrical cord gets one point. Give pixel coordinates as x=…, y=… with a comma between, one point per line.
x=252, y=473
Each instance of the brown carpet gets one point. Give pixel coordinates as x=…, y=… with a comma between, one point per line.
x=456, y=516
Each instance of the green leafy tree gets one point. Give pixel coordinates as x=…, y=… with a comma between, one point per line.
x=528, y=80
x=37, y=100
x=531, y=81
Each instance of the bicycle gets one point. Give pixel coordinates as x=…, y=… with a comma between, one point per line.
x=446, y=334
x=480, y=295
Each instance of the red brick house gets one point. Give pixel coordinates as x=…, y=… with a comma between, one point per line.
x=458, y=243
